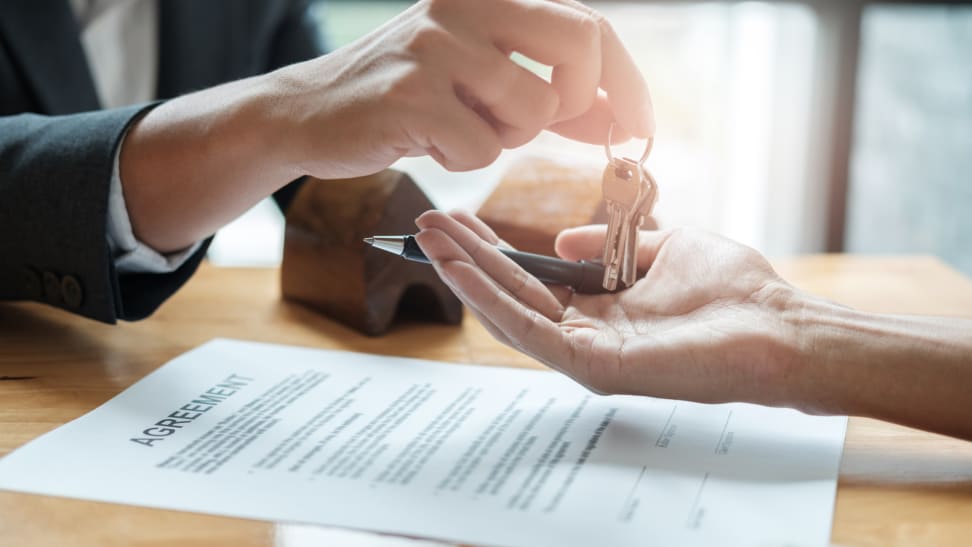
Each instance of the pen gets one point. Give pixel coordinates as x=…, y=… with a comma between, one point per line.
x=584, y=277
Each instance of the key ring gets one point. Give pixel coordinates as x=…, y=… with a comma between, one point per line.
x=607, y=147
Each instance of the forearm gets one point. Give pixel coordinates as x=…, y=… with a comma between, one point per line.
x=912, y=370
x=196, y=162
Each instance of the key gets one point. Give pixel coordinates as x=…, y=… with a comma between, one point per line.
x=628, y=238
x=636, y=216
x=620, y=188
x=626, y=214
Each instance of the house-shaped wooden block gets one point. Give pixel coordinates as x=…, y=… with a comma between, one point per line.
x=328, y=267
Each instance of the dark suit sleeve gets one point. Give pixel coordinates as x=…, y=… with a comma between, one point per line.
x=55, y=175
x=297, y=38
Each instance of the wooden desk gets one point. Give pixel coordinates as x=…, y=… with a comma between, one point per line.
x=897, y=486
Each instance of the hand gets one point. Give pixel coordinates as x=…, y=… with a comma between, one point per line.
x=438, y=80
x=705, y=323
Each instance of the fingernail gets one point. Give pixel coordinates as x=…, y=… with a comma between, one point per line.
x=420, y=238
x=421, y=221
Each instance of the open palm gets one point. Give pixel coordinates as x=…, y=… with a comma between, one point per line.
x=704, y=323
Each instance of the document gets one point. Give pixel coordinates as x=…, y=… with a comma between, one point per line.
x=463, y=453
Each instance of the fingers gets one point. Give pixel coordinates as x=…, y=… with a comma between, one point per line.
x=483, y=230
x=458, y=139
x=625, y=86
x=520, y=104
x=445, y=78
x=582, y=243
x=462, y=244
x=522, y=327
x=437, y=245
x=475, y=224
x=587, y=242
x=580, y=45
x=592, y=126
x=471, y=221
x=559, y=36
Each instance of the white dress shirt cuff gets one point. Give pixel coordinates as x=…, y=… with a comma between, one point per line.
x=130, y=254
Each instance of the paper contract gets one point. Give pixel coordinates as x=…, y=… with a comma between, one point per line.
x=464, y=453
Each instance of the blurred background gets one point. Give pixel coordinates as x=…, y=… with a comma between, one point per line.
x=793, y=126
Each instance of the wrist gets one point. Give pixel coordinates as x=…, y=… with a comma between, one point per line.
x=196, y=162
x=269, y=109
x=822, y=354
x=312, y=128
x=790, y=348
x=911, y=370
x=258, y=118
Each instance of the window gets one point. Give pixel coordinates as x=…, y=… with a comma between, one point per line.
x=910, y=175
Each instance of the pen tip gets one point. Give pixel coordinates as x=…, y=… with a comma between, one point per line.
x=369, y=240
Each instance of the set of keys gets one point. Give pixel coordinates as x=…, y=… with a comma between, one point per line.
x=630, y=193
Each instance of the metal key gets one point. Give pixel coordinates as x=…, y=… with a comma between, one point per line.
x=620, y=188
x=636, y=216
x=620, y=255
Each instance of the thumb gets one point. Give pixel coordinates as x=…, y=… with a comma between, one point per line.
x=581, y=243
x=587, y=243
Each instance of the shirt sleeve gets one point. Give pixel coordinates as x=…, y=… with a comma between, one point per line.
x=128, y=253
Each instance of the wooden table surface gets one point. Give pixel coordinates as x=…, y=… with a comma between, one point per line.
x=897, y=486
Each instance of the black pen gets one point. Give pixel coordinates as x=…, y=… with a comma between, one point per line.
x=584, y=277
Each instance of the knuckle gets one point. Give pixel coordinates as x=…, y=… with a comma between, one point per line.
x=591, y=26
x=477, y=159
x=448, y=165
x=529, y=325
x=428, y=39
x=520, y=281
x=452, y=165
x=487, y=155
x=502, y=82
x=514, y=138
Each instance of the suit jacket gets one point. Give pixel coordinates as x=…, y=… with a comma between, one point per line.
x=57, y=146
